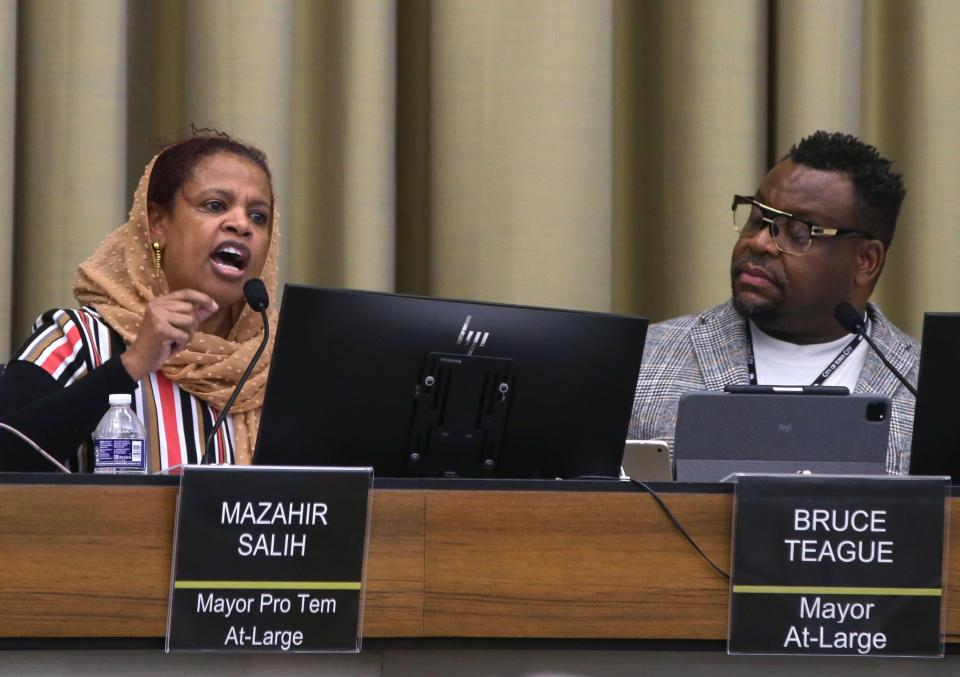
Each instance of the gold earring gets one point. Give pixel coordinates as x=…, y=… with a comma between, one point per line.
x=157, y=258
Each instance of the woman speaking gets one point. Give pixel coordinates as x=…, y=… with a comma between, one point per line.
x=162, y=316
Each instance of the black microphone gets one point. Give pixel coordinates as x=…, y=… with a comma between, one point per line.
x=256, y=294
x=852, y=321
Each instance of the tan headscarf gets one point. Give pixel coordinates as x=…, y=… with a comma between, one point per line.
x=119, y=281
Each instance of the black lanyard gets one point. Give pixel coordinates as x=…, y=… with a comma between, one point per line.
x=844, y=353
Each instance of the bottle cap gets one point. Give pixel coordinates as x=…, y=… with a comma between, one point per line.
x=122, y=399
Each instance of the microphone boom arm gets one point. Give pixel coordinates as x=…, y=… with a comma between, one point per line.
x=36, y=447
x=256, y=295
x=889, y=366
x=851, y=320
x=208, y=449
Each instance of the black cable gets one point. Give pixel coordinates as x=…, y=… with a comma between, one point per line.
x=676, y=523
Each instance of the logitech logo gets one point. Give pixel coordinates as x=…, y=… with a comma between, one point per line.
x=471, y=338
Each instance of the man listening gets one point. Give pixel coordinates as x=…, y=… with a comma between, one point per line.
x=814, y=234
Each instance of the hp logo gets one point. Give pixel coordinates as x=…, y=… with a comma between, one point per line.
x=471, y=338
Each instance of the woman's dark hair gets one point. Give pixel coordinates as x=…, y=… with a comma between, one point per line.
x=175, y=164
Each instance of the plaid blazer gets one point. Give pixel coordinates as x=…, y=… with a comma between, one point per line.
x=709, y=350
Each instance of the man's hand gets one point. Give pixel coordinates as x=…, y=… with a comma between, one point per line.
x=168, y=325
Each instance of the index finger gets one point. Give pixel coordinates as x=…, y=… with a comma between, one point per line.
x=197, y=298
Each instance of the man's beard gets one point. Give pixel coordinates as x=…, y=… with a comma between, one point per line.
x=760, y=310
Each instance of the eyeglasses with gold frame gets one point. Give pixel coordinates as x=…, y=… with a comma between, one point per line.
x=792, y=234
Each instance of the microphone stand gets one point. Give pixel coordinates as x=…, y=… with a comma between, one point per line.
x=36, y=447
x=886, y=362
x=850, y=319
x=208, y=450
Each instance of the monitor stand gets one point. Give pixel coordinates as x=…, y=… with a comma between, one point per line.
x=460, y=408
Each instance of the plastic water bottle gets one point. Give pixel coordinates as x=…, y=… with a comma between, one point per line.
x=120, y=440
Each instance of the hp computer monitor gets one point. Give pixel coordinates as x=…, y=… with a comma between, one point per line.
x=426, y=387
x=936, y=435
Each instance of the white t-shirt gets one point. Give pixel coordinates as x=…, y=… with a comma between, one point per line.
x=784, y=363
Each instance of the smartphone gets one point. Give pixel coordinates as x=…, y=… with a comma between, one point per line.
x=647, y=461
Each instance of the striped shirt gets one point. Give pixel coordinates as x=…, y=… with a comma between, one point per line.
x=68, y=344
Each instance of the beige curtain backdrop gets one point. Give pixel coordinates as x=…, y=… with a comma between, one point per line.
x=8, y=115
x=571, y=153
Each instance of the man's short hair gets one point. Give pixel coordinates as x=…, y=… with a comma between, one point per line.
x=879, y=191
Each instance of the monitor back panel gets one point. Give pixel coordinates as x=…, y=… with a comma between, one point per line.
x=936, y=423
x=722, y=433
x=349, y=369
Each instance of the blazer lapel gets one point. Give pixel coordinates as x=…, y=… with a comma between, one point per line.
x=875, y=377
x=720, y=346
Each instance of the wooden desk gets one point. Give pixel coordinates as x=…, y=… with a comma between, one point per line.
x=93, y=560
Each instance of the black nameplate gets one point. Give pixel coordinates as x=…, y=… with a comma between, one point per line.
x=269, y=559
x=838, y=566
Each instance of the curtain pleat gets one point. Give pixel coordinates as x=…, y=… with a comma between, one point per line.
x=8, y=118
x=816, y=64
x=520, y=152
x=238, y=77
x=912, y=99
x=692, y=131
x=70, y=160
x=343, y=222
x=155, y=76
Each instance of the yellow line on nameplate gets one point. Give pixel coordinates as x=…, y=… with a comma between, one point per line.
x=268, y=585
x=836, y=590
